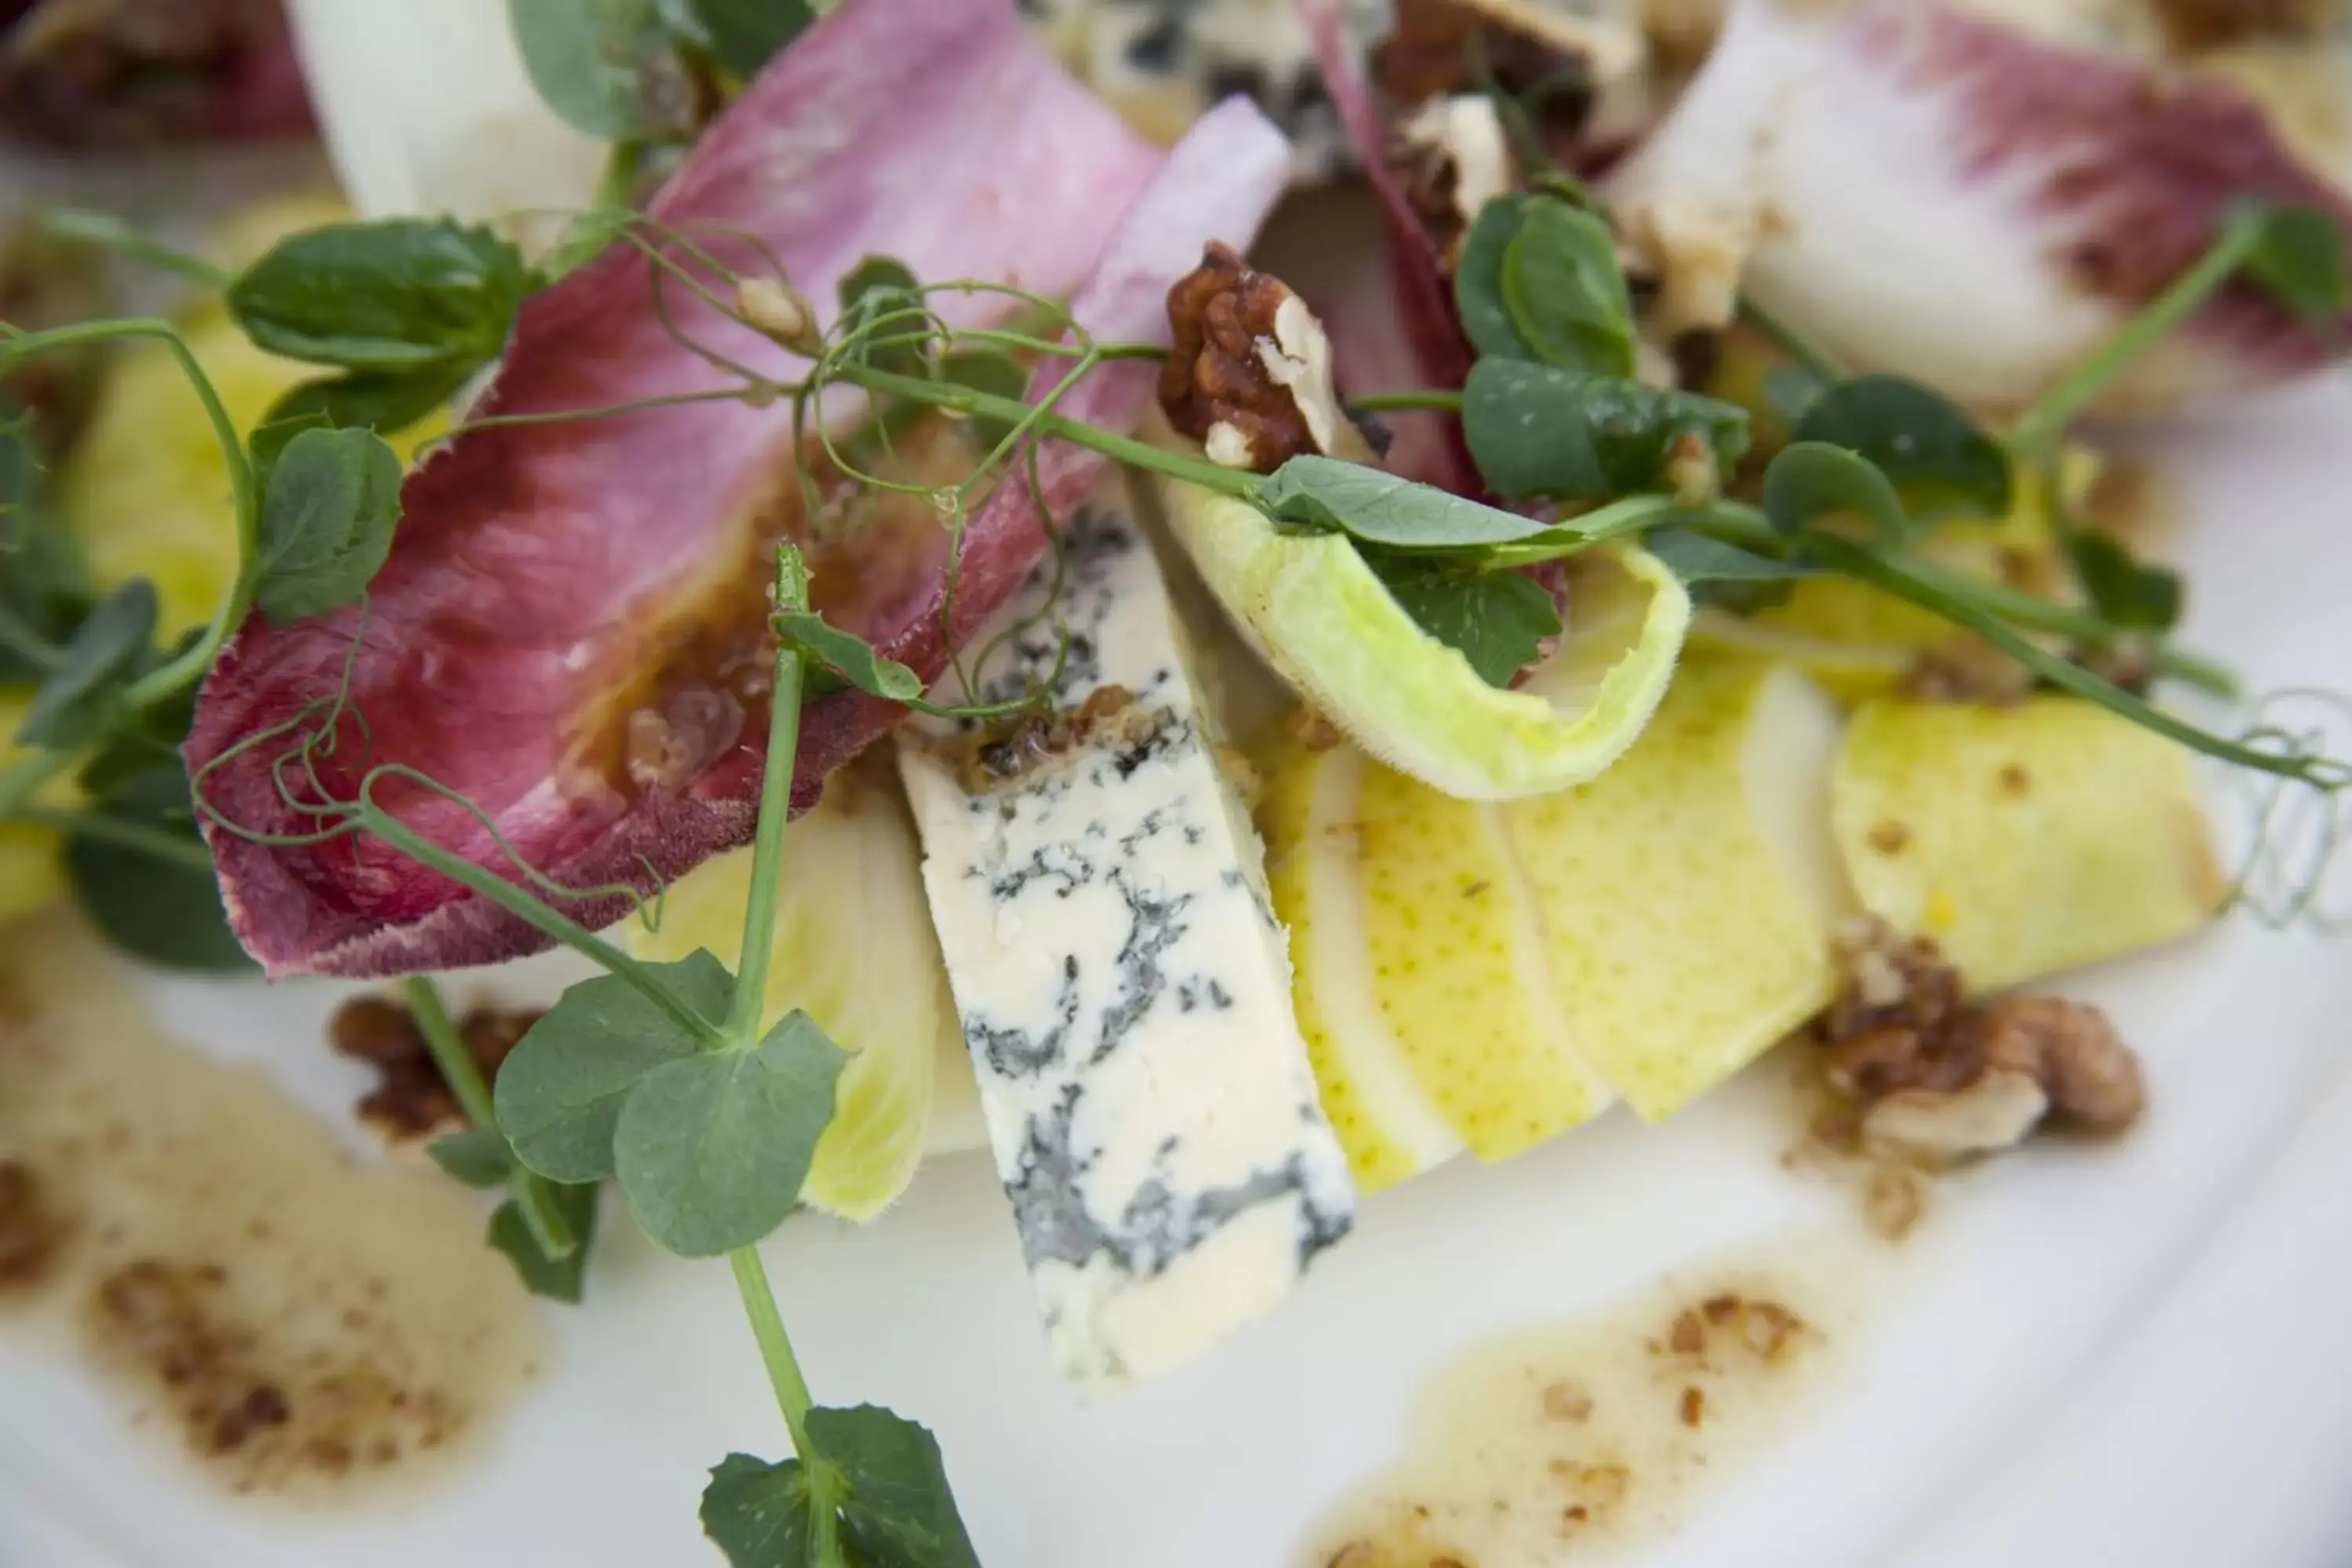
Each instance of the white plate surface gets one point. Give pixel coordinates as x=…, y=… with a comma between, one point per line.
x=2123, y=1355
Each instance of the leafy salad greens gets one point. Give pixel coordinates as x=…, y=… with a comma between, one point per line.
x=663, y=1078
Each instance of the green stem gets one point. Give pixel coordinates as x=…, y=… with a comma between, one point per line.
x=170, y=847
x=21, y=782
x=112, y=234
x=27, y=644
x=1120, y=449
x=533, y=1199
x=1432, y=397
x=775, y=1345
x=2046, y=421
x=618, y=182
x=1899, y=579
x=767, y=851
x=791, y=1396
x=191, y=664
x=523, y=907
x=1618, y=520
x=1790, y=340
x=2036, y=614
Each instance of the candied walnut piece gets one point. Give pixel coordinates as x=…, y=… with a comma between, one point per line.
x=1249, y=375
x=1967, y=670
x=1451, y=157
x=32, y=1233
x=410, y=1101
x=2073, y=1050
x=1938, y=1079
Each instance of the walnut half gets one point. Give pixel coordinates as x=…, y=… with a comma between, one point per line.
x=1249, y=375
x=1939, y=1079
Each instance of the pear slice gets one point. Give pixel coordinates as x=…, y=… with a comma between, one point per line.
x=1388, y=1127
x=2025, y=840
x=853, y=947
x=1688, y=894
x=1458, y=967
x=1329, y=627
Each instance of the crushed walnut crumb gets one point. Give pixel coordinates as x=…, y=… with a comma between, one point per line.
x=1967, y=670
x=410, y=1101
x=1451, y=157
x=1249, y=371
x=1018, y=749
x=1931, y=1075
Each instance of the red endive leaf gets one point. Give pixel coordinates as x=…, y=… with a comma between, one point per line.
x=1420, y=298
x=532, y=560
x=1938, y=191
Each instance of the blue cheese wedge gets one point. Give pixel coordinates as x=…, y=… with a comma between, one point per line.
x=1123, y=983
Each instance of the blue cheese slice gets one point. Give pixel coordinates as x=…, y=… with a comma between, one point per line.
x=1124, y=986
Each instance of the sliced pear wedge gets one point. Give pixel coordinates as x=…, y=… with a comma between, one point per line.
x=855, y=948
x=1327, y=626
x=2025, y=840
x=1420, y=968
x=1388, y=1127
x=1688, y=892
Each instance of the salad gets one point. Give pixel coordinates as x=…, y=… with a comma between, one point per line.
x=832, y=515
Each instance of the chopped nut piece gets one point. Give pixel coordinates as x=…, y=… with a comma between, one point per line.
x=1968, y=670
x=410, y=1101
x=32, y=1233
x=1452, y=159
x=1568, y=1401
x=1428, y=52
x=1992, y=1112
x=1691, y=254
x=1017, y=749
x=1937, y=1078
x=1688, y=1336
x=2074, y=1051
x=1693, y=1408
x=1250, y=372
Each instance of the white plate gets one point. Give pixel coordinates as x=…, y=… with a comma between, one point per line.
x=2122, y=1355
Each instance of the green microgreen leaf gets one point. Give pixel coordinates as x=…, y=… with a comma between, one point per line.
x=560, y=1093
x=1810, y=480
x=885, y=1482
x=711, y=1149
x=1790, y=390
x=327, y=522
x=477, y=1157
x=383, y=401
x=1696, y=559
x=881, y=296
x=80, y=699
x=141, y=742
x=899, y=1508
x=761, y=1515
x=400, y=294
x=1940, y=462
x=1564, y=292
x=603, y=66
x=2300, y=260
x=992, y=371
x=553, y=1278
x=746, y=34
x=1539, y=430
x=2127, y=592
x=1328, y=494
x=1498, y=620
x=164, y=910
x=585, y=237
x=1486, y=319
x=849, y=655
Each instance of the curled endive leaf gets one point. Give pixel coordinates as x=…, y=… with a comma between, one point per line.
x=1332, y=628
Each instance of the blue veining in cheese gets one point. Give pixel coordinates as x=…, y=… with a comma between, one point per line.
x=1124, y=986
